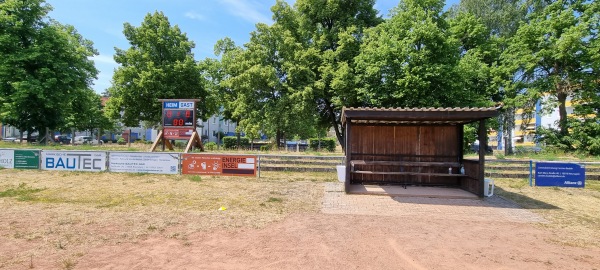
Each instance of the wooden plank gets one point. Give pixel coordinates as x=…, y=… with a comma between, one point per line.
x=409, y=173
x=158, y=139
x=406, y=163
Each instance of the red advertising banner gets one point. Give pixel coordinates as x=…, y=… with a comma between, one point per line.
x=178, y=133
x=219, y=165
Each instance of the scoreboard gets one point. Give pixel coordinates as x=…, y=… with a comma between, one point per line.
x=178, y=118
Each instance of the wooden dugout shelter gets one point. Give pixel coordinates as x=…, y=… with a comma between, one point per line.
x=413, y=147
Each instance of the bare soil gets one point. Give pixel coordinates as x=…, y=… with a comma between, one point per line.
x=55, y=220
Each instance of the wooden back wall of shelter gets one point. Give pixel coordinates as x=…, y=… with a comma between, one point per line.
x=433, y=143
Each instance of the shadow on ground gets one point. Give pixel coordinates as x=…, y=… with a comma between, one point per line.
x=524, y=201
x=501, y=199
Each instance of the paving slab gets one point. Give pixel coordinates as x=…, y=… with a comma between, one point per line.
x=495, y=208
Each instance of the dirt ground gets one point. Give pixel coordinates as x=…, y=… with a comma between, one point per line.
x=340, y=232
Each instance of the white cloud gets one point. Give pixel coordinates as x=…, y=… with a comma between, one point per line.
x=195, y=16
x=104, y=59
x=247, y=10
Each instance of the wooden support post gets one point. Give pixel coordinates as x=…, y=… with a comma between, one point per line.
x=158, y=139
x=348, y=149
x=194, y=141
x=482, y=136
x=161, y=138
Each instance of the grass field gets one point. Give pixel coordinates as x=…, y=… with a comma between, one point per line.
x=575, y=210
x=67, y=213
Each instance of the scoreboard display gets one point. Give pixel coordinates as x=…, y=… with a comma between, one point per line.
x=179, y=114
x=178, y=118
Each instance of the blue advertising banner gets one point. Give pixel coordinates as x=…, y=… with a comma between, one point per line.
x=559, y=174
x=74, y=161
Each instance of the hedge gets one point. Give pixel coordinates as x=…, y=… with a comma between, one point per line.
x=230, y=142
x=326, y=143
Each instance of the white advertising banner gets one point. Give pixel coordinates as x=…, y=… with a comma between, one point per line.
x=160, y=163
x=7, y=159
x=74, y=161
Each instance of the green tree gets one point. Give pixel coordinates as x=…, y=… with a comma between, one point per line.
x=501, y=17
x=412, y=60
x=260, y=86
x=43, y=64
x=549, y=58
x=329, y=33
x=584, y=126
x=87, y=113
x=158, y=65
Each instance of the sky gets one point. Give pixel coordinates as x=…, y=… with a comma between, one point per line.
x=204, y=22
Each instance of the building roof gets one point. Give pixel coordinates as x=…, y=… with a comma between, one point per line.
x=416, y=116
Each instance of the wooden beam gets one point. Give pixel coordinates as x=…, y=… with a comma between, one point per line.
x=406, y=163
x=348, y=150
x=194, y=141
x=470, y=116
x=168, y=144
x=158, y=139
x=482, y=134
x=410, y=173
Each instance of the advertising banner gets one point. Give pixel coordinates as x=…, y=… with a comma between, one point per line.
x=20, y=159
x=160, y=163
x=74, y=161
x=7, y=158
x=218, y=165
x=178, y=133
x=27, y=159
x=559, y=174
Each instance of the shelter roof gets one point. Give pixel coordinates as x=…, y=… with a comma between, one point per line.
x=416, y=116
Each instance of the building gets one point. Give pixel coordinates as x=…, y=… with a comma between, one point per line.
x=523, y=133
x=209, y=129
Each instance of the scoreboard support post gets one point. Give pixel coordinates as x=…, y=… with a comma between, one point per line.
x=194, y=141
x=160, y=138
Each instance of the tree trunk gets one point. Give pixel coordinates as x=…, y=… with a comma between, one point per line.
x=28, y=136
x=278, y=135
x=335, y=123
x=239, y=138
x=562, y=112
x=509, y=125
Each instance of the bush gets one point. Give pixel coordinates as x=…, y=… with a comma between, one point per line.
x=230, y=142
x=180, y=144
x=121, y=141
x=326, y=143
x=265, y=147
x=209, y=146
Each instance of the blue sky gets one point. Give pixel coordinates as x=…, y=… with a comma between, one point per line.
x=204, y=22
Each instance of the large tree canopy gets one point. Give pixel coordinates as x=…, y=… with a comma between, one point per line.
x=329, y=33
x=414, y=60
x=43, y=65
x=158, y=65
x=260, y=87
x=550, y=57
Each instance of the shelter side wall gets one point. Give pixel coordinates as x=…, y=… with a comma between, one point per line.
x=471, y=181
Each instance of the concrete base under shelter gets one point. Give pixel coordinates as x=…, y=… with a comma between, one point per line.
x=412, y=191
